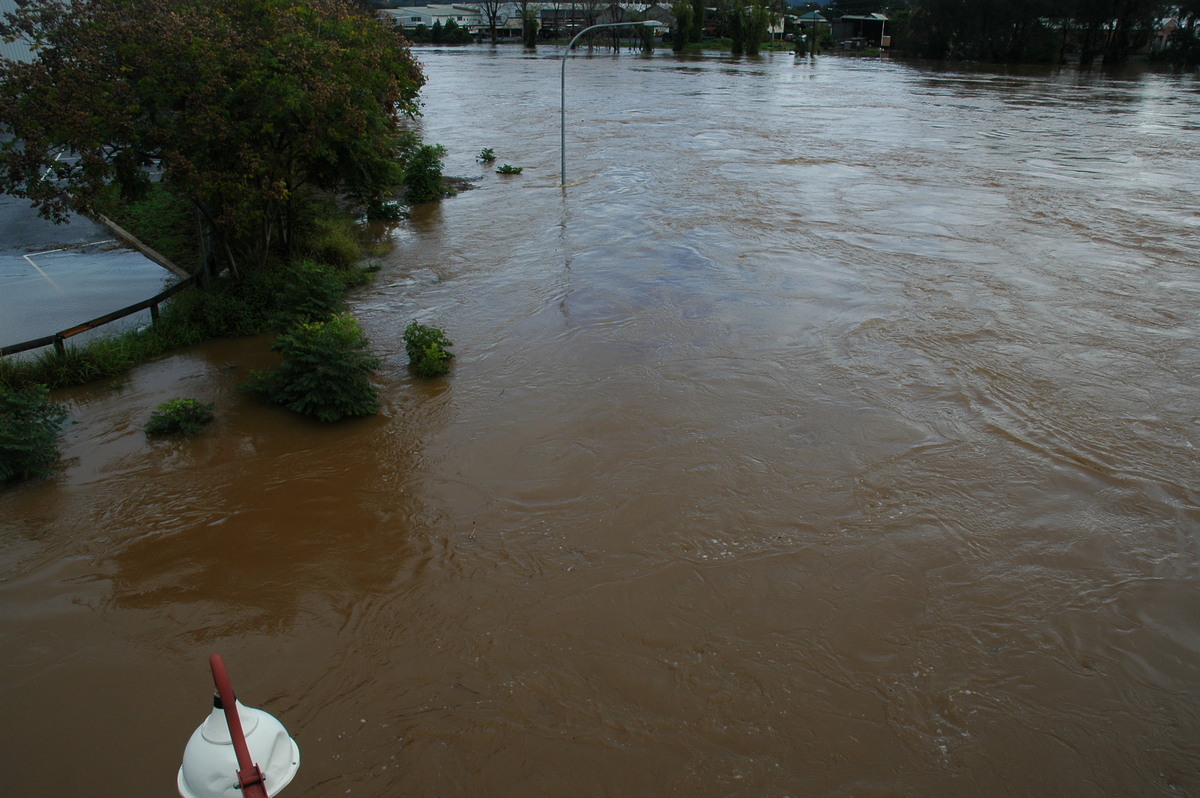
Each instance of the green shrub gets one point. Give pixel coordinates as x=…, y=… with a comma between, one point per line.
x=384, y=210
x=309, y=292
x=507, y=169
x=324, y=372
x=179, y=416
x=331, y=239
x=273, y=297
x=487, y=155
x=423, y=174
x=29, y=425
x=426, y=348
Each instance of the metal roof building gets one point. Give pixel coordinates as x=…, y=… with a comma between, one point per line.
x=13, y=51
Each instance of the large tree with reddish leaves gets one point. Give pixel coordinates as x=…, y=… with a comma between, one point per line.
x=241, y=106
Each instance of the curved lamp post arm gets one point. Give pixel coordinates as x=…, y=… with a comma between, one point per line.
x=650, y=23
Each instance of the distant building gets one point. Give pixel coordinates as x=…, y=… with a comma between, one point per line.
x=811, y=19
x=661, y=14
x=1164, y=29
x=865, y=31
x=559, y=19
x=411, y=17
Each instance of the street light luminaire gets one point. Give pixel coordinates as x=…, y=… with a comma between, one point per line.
x=650, y=23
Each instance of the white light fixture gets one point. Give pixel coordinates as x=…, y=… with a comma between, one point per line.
x=210, y=760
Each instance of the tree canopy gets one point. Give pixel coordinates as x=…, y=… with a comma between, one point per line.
x=239, y=105
x=1021, y=30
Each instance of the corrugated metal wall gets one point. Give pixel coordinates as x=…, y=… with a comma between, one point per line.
x=14, y=51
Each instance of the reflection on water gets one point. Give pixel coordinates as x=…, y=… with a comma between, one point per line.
x=832, y=432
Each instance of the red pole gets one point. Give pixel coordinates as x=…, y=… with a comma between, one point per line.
x=250, y=776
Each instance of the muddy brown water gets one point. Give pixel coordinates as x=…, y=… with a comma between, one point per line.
x=833, y=433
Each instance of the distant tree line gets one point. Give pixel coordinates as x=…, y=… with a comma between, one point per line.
x=1048, y=31
x=437, y=33
x=744, y=23
x=1109, y=31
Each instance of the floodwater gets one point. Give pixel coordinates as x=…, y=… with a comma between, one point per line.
x=832, y=433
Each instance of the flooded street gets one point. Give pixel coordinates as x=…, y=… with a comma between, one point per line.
x=832, y=433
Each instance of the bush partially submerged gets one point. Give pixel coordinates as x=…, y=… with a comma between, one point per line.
x=310, y=292
x=324, y=372
x=29, y=426
x=179, y=417
x=423, y=174
x=426, y=348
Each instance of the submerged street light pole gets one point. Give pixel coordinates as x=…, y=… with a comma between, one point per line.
x=650, y=23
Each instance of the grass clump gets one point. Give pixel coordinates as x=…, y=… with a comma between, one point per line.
x=29, y=427
x=97, y=359
x=332, y=239
x=325, y=370
x=427, y=349
x=508, y=169
x=179, y=417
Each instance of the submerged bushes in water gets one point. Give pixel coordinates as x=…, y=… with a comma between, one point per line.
x=179, y=416
x=423, y=174
x=426, y=349
x=324, y=372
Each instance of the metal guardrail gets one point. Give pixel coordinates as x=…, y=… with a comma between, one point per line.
x=57, y=339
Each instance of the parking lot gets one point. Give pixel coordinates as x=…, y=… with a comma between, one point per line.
x=55, y=276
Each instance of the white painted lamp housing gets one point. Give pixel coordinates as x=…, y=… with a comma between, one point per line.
x=210, y=766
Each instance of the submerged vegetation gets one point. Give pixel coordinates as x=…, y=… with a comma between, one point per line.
x=437, y=33
x=427, y=349
x=29, y=427
x=179, y=417
x=325, y=370
x=423, y=180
